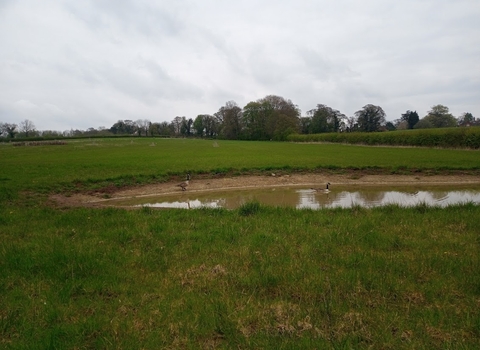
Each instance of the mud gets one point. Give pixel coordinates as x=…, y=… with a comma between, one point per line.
x=263, y=181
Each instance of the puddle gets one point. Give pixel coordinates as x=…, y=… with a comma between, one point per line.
x=306, y=198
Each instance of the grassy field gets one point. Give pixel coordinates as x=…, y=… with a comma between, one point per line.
x=256, y=277
x=145, y=159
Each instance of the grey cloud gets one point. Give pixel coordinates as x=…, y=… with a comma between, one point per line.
x=323, y=68
x=80, y=63
x=147, y=82
x=127, y=16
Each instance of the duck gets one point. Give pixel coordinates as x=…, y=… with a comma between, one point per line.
x=184, y=184
x=323, y=190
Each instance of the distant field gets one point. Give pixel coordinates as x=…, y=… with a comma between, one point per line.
x=252, y=278
x=100, y=159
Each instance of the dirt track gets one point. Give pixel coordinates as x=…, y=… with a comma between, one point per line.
x=271, y=180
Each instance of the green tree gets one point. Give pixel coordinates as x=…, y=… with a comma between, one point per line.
x=370, y=118
x=466, y=119
x=10, y=130
x=411, y=118
x=186, y=126
x=318, y=121
x=229, y=116
x=305, y=124
x=199, y=128
x=440, y=117
x=424, y=124
x=390, y=126
x=284, y=116
x=154, y=129
x=254, y=119
x=211, y=125
x=166, y=129
x=285, y=126
x=325, y=119
x=205, y=125
x=161, y=129
x=52, y=133
x=123, y=127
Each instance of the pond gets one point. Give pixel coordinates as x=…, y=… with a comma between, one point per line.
x=306, y=198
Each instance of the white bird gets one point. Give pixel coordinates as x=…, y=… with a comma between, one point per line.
x=184, y=184
x=323, y=190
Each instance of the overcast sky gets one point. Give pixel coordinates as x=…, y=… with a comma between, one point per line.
x=78, y=64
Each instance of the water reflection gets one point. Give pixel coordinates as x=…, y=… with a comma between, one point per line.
x=346, y=199
x=303, y=198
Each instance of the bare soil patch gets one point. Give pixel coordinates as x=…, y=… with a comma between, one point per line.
x=263, y=181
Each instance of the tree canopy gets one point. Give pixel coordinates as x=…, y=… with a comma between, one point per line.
x=281, y=117
x=411, y=118
x=123, y=127
x=440, y=117
x=467, y=119
x=325, y=119
x=10, y=130
x=370, y=118
x=229, y=117
x=269, y=118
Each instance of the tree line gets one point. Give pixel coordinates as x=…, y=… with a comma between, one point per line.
x=269, y=118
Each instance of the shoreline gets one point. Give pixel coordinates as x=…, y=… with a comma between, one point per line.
x=264, y=181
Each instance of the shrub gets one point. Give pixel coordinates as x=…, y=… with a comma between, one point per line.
x=440, y=137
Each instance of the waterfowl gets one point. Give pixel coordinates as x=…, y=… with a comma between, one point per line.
x=184, y=184
x=324, y=190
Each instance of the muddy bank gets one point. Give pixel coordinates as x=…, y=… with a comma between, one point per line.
x=264, y=181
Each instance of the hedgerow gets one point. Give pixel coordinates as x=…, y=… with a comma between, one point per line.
x=443, y=137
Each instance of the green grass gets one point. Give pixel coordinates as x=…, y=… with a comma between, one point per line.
x=276, y=278
x=130, y=161
x=256, y=277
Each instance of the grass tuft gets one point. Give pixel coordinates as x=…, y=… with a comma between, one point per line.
x=249, y=208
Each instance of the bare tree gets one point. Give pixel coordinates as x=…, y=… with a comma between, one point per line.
x=177, y=125
x=351, y=123
x=27, y=127
x=143, y=125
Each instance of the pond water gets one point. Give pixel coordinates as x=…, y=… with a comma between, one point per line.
x=306, y=198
